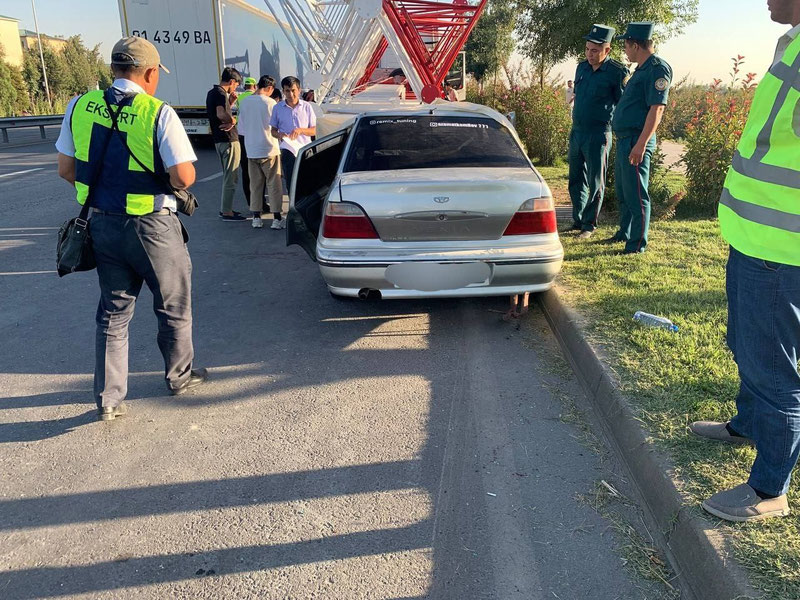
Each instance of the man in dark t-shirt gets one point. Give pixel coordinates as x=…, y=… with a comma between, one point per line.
x=226, y=138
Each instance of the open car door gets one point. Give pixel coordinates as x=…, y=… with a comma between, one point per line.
x=314, y=172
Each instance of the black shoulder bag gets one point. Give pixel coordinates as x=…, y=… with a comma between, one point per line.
x=185, y=200
x=74, y=247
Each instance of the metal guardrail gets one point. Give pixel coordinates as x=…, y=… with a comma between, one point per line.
x=41, y=122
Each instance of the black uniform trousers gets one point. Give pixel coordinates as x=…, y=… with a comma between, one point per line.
x=130, y=251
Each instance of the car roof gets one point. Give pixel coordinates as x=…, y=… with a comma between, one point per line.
x=438, y=107
x=340, y=116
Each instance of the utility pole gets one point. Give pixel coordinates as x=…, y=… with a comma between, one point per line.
x=41, y=55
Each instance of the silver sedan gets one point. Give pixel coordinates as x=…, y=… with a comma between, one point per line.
x=424, y=202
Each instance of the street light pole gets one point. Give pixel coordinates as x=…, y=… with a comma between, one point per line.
x=41, y=55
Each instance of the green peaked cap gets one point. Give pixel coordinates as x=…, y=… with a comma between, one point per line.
x=600, y=34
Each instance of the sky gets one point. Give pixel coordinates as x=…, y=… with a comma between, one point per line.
x=724, y=29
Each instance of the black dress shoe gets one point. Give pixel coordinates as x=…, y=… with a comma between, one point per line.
x=196, y=377
x=109, y=413
x=612, y=240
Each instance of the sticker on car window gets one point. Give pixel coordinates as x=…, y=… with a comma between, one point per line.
x=460, y=124
x=391, y=121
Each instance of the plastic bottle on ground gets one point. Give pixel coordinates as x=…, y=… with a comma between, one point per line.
x=654, y=321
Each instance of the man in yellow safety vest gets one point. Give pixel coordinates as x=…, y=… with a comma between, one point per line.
x=118, y=147
x=759, y=215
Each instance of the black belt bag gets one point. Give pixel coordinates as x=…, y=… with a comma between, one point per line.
x=74, y=246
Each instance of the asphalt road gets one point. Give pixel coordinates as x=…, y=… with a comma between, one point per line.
x=391, y=450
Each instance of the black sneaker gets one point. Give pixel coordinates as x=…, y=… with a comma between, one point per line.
x=233, y=217
x=109, y=413
x=235, y=212
x=196, y=377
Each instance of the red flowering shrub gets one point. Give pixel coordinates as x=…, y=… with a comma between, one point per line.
x=711, y=139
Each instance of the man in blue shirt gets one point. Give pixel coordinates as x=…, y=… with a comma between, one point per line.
x=293, y=122
x=635, y=122
x=599, y=83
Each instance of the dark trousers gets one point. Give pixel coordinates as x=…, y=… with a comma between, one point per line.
x=245, y=172
x=130, y=251
x=588, y=162
x=287, y=167
x=764, y=336
x=632, y=194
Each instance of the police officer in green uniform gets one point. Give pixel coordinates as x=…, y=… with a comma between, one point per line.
x=599, y=83
x=249, y=90
x=635, y=122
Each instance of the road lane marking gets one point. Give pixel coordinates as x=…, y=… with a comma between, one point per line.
x=27, y=171
x=21, y=228
x=210, y=177
x=27, y=272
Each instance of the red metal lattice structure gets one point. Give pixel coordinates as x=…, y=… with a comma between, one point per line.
x=432, y=33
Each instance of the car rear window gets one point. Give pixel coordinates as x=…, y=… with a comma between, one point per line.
x=428, y=142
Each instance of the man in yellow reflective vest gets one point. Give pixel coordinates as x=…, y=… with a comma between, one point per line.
x=136, y=235
x=759, y=215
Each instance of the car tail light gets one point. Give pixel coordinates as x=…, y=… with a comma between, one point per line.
x=536, y=215
x=347, y=221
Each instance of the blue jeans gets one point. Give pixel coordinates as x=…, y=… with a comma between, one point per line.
x=764, y=336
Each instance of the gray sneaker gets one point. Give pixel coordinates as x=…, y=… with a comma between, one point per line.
x=714, y=430
x=742, y=504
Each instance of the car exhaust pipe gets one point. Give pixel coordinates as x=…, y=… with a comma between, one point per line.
x=369, y=294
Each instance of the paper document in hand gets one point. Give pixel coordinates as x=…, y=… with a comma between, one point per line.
x=292, y=146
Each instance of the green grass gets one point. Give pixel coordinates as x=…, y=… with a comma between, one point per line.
x=673, y=379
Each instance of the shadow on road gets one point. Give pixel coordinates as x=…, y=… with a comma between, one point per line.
x=340, y=338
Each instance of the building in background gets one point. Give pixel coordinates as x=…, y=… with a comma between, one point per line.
x=11, y=41
x=28, y=39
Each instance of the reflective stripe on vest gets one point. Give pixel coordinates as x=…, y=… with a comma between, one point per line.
x=122, y=186
x=759, y=210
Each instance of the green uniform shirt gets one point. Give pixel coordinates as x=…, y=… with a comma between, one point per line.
x=648, y=86
x=597, y=92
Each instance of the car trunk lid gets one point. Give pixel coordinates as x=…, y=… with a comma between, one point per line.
x=441, y=204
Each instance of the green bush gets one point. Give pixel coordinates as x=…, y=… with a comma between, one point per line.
x=543, y=118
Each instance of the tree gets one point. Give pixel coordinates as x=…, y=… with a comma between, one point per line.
x=10, y=97
x=552, y=30
x=81, y=71
x=491, y=41
x=74, y=70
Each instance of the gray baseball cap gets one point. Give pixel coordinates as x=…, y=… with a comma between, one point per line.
x=136, y=51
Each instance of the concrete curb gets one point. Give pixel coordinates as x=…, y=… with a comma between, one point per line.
x=698, y=553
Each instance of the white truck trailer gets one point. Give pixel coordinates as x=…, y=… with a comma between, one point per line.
x=198, y=38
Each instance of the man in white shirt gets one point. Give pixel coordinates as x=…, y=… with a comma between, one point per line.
x=263, y=152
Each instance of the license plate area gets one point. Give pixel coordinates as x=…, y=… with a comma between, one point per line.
x=434, y=277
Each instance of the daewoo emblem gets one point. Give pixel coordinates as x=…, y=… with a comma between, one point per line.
x=441, y=199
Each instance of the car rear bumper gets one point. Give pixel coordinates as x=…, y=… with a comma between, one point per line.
x=511, y=271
